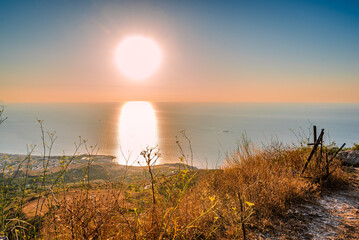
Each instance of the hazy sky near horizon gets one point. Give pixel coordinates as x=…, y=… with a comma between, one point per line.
x=252, y=51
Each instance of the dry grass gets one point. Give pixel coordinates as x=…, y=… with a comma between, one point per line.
x=252, y=191
x=128, y=214
x=271, y=179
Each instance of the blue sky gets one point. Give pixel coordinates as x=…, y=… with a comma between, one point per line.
x=214, y=50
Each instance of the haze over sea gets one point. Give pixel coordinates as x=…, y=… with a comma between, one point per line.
x=214, y=128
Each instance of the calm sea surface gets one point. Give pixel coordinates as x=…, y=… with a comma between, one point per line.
x=124, y=129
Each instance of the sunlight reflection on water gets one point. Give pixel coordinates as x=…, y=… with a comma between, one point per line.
x=137, y=129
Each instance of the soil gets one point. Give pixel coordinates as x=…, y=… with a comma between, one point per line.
x=333, y=215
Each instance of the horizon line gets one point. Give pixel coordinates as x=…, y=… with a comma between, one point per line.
x=314, y=102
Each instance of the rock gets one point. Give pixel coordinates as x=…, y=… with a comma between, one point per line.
x=350, y=157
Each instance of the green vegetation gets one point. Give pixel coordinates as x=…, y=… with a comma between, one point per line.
x=355, y=147
x=96, y=200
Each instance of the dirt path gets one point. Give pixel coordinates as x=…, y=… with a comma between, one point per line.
x=333, y=216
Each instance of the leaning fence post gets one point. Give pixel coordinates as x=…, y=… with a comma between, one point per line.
x=314, y=133
x=319, y=140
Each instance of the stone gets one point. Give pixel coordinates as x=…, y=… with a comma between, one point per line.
x=350, y=157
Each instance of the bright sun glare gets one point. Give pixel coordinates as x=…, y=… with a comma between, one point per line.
x=138, y=57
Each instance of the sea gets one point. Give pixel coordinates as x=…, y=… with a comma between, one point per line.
x=202, y=134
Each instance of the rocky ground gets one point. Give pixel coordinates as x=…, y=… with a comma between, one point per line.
x=350, y=157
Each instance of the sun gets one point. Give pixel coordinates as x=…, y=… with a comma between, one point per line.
x=138, y=57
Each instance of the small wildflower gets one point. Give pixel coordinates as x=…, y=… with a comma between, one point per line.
x=249, y=204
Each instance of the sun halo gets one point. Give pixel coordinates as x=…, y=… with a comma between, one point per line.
x=138, y=57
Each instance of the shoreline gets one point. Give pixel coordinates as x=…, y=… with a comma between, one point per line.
x=78, y=161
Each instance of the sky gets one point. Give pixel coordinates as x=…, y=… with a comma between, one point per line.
x=213, y=51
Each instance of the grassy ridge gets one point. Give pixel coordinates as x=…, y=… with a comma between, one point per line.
x=247, y=196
